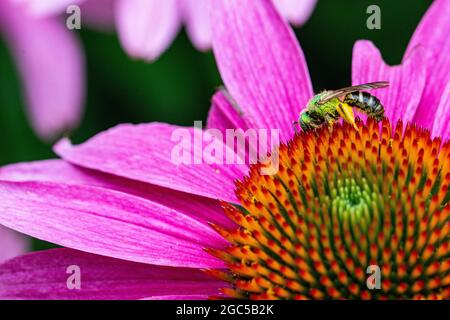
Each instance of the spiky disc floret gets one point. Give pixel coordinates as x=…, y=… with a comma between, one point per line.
x=342, y=201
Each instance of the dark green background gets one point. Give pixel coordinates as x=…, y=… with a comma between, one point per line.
x=177, y=88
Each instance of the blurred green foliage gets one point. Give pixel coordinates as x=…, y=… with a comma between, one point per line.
x=177, y=88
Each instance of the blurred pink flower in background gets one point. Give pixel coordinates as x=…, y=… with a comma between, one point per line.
x=141, y=220
x=51, y=65
x=146, y=28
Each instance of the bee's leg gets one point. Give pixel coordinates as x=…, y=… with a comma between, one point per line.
x=330, y=123
x=346, y=112
x=295, y=124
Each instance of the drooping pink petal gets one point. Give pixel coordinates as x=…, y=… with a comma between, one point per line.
x=45, y=275
x=44, y=8
x=226, y=116
x=406, y=81
x=51, y=64
x=261, y=63
x=12, y=244
x=295, y=11
x=147, y=153
x=433, y=35
x=147, y=27
x=223, y=115
x=441, y=127
x=198, y=25
x=199, y=208
x=106, y=222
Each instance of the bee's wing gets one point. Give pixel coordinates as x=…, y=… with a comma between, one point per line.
x=362, y=87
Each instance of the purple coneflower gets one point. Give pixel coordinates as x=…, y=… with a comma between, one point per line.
x=139, y=226
x=51, y=66
x=146, y=28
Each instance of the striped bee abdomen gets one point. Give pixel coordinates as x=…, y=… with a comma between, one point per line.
x=367, y=103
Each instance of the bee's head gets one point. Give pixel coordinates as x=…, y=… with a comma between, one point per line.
x=306, y=122
x=315, y=99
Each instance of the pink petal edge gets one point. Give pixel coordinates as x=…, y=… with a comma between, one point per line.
x=147, y=27
x=223, y=115
x=406, y=81
x=45, y=8
x=296, y=11
x=261, y=63
x=199, y=208
x=198, y=24
x=108, y=223
x=45, y=275
x=441, y=127
x=432, y=34
x=146, y=152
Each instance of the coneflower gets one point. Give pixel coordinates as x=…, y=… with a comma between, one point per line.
x=344, y=201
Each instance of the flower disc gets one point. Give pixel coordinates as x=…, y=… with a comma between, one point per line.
x=349, y=215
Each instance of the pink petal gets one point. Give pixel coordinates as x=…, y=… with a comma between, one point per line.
x=196, y=16
x=296, y=11
x=223, y=115
x=51, y=64
x=261, y=63
x=199, y=208
x=11, y=244
x=407, y=80
x=441, y=127
x=98, y=14
x=106, y=222
x=433, y=34
x=47, y=7
x=147, y=27
x=144, y=153
x=179, y=297
x=45, y=274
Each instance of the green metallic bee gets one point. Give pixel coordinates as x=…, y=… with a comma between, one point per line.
x=328, y=106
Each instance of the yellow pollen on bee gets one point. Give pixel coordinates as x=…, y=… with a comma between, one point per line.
x=346, y=112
